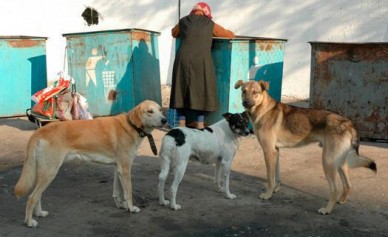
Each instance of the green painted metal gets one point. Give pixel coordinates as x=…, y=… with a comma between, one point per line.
x=116, y=69
x=23, y=72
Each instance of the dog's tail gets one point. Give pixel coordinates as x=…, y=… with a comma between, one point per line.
x=28, y=177
x=354, y=158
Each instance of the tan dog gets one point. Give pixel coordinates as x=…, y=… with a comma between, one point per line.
x=109, y=140
x=279, y=125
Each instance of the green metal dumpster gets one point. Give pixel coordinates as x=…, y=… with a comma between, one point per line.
x=352, y=79
x=23, y=72
x=115, y=69
x=246, y=58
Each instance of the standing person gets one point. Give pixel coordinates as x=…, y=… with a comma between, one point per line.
x=194, y=85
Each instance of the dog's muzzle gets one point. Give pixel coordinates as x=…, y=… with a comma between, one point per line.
x=163, y=120
x=248, y=103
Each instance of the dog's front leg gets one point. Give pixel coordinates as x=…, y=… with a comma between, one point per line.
x=118, y=192
x=277, y=172
x=217, y=177
x=270, y=163
x=225, y=175
x=124, y=173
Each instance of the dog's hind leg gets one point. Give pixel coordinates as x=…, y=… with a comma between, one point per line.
x=343, y=172
x=164, y=170
x=179, y=171
x=45, y=176
x=330, y=157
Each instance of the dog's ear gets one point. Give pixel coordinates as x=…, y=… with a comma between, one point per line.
x=238, y=84
x=227, y=116
x=135, y=116
x=264, y=85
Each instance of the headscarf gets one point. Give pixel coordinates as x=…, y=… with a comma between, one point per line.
x=204, y=8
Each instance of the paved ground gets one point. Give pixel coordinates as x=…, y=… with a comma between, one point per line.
x=80, y=204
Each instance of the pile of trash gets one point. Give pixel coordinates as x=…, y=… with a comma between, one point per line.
x=61, y=101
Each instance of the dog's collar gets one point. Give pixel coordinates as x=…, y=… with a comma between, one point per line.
x=142, y=133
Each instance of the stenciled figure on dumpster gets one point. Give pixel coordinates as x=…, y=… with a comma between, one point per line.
x=194, y=84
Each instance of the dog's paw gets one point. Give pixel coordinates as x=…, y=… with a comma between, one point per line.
x=164, y=202
x=231, y=196
x=175, y=207
x=323, y=211
x=219, y=189
x=134, y=209
x=266, y=195
x=342, y=199
x=120, y=203
x=42, y=213
x=277, y=187
x=32, y=223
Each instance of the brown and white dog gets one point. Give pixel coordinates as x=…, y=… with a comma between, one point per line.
x=278, y=125
x=108, y=140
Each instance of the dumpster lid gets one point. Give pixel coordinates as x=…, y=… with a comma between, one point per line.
x=243, y=37
x=110, y=31
x=346, y=43
x=21, y=37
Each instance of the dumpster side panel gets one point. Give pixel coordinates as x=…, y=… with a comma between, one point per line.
x=352, y=79
x=100, y=64
x=221, y=55
x=145, y=59
x=268, y=64
x=22, y=73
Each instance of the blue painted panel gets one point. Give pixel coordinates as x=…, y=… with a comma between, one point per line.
x=22, y=72
x=146, y=77
x=115, y=70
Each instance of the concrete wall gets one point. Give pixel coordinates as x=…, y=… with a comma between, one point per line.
x=299, y=21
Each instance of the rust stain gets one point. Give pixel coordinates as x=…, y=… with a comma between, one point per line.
x=24, y=43
x=269, y=46
x=141, y=36
x=112, y=95
x=333, y=69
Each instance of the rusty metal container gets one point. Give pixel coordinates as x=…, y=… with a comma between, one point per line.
x=115, y=69
x=23, y=72
x=352, y=80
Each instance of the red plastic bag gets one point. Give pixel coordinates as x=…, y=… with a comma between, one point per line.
x=45, y=108
x=49, y=92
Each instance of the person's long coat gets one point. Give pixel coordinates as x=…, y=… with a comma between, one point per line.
x=193, y=79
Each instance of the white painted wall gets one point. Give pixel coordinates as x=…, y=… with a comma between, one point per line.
x=299, y=21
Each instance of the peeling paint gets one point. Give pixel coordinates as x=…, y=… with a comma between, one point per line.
x=23, y=43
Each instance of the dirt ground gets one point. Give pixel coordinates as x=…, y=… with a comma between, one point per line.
x=80, y=203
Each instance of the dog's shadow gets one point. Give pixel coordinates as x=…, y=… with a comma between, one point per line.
x=80, y=199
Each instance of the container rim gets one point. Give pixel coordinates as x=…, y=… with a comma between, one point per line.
x=22, y=37
x=243, y=37
x=110, y=31
x=346, y=43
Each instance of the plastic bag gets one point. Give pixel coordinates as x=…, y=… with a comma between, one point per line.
x=45, y=108
x=51, y=91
